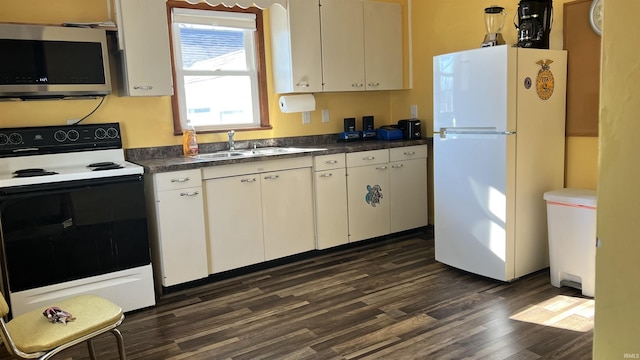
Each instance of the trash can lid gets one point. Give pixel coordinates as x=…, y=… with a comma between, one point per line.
x=572, y=196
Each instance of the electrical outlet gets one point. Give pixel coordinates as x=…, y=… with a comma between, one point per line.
x=414, y=111
x=325, y=116
x=306, y=117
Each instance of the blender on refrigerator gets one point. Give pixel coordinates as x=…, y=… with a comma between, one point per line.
x=494, y=21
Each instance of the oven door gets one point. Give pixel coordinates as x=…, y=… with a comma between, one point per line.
x=52, y=233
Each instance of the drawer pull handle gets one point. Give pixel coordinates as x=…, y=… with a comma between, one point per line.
x=271, y=177
x=397, y=166
x=409, y=152
x=369, y=158
x=191, y=193
x=381, y=168
x=331, y=162
x=326, y=175
x=180, y=180
x=301, y=84
x=143, y=87
x=248, y=180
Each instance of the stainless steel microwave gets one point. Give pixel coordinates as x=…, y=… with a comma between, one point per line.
x=41, y=62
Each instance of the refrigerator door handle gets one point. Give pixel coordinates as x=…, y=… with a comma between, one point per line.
x=472, y=131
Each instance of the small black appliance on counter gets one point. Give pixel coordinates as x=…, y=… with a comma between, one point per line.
x=410, y=129
x=349, y=133
x=368, y=130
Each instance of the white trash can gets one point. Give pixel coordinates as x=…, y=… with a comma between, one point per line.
x=571, y=221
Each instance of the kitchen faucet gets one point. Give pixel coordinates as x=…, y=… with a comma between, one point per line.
x=232, y=144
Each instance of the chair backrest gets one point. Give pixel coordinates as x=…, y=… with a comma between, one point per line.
x=4, y=307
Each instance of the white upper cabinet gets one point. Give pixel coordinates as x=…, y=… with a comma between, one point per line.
x=361, y=45
x=143, y=41
x=383, y=45
x=343, y=53
x=295, y=44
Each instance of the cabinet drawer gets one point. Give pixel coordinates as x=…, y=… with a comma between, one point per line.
x=371, y=157
x=254, y=167
x=408, y=152
x=326, y=162
x=177, y=180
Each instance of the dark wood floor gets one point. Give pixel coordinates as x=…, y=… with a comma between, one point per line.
x=383, y=300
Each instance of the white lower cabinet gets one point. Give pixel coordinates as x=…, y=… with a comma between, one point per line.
x=234, y=217
x=178, y=238
x=287, y=213
x=408, y=188
x=368, y=194
x=330, y=195
x=258, y=211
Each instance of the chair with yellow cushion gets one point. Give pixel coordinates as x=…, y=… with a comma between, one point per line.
x=31, y=335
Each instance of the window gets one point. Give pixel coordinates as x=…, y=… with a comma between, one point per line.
x=218, y=65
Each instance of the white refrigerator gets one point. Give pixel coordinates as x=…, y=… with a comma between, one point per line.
x=499, y=120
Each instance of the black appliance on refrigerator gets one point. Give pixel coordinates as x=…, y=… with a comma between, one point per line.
x=535, y=18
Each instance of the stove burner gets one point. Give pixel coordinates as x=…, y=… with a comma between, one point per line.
x=32, y=172
x=101, y=164
x=107, y=167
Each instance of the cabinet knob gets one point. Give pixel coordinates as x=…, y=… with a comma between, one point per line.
x=374, y=84
x=143, y=87
x=357, y=85
x=381, y=168
x=326, y=175
x=397, y=166
x=303, y=85
x=271, y=177
x=409, y=153
x=331, y=162
x=369, y=158
x=249, y=180
x=190, y=193
x=180, y=180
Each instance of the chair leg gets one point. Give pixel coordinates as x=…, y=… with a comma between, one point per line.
x=92, y=351
x=118, y=335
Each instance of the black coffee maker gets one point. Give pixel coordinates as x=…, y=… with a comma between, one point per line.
x=535, y=18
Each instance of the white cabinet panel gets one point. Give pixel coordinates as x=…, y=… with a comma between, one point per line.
x=383, y=45
x=287, y=212
x=295, y=46
x=143, y=41
x=368, y=201
x=332, y=222
x=408, y=194
x=234, y=215
x=342, y=25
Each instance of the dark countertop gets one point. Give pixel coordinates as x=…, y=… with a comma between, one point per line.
x=165, y=159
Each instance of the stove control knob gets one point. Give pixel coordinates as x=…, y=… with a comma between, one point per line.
x=73, y=135
x=101, y=133
x=60, y=136
x=15, y=138
x=112, y=133
x=4, y=139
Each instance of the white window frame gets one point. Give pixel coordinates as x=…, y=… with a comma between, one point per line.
x=223, y=19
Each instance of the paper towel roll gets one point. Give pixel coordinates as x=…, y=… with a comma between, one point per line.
x=297, y=103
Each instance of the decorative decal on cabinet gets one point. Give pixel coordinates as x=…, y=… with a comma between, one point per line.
x=374, y=194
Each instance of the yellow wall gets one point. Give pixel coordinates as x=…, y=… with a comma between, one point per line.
x=617, y=325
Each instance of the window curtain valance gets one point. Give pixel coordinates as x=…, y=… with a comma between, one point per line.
x=262, y=4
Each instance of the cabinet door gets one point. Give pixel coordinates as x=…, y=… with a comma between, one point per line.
x=181, y=235
x=368, y=201
x=234, y=218
x=287, y=212
x=383, y=45
x=295, y=47
x=342, y=45
x=408, y=193
x=143, y=39
x=332, y=225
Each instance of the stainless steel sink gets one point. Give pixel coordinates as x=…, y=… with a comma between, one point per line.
x=220, y=155
x=265, y=151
